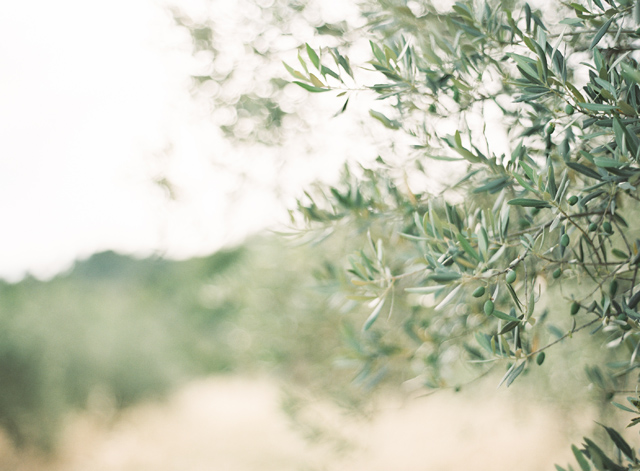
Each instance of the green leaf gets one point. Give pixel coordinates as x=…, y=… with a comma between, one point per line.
x=606, y=162
x=316, y=81
x=630, y=73
x=468, y=248
x=584, y=464
x=388, y=123
x=622, y=445
x=624, y=408
x=504, y=316
x=601, y=32
x=374, y=315
x=515, y=373
x=311, y=88
x=529, y=203
x=315, y=60
x=483, y=242
x=442, y=275
x=524, y=183
x=596, y=107
x=294, y=72
x=484, y=341
x=584, y=170
x=327, y=71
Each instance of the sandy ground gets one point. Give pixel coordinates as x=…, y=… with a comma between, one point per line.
x=236, y=424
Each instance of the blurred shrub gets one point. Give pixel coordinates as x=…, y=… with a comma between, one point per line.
x=115, y=330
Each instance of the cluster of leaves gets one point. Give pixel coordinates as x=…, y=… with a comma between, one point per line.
x=523, y=248
x=240, y=46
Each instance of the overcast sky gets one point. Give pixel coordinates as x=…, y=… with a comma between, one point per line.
x=94, y=104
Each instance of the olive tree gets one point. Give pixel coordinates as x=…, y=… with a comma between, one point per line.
x=529, y=241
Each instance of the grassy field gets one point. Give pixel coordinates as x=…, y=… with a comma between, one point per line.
x=235, y=423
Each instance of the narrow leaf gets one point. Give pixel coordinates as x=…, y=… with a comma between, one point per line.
x=601, y=32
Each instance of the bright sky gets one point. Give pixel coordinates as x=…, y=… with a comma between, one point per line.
x=92, y=94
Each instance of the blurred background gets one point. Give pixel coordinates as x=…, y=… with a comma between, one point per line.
x=150, y=316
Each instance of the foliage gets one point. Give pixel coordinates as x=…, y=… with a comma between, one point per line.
x=239, y=47
x=116, y=330
x=518, y=251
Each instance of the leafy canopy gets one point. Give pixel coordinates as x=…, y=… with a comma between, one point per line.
x=517, y=251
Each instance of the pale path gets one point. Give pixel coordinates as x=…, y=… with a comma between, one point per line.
x=236, y=424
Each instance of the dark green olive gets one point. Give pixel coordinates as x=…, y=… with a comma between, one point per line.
x=479, y=292
x=572, y=200
x=550, y=128
x=564, y=240
x=613, y=288
x=592, y=227
x=607, y=227
x=511, y=276
x=575, y=307
x=569, y=109
x=540, y=358
x=557, y=272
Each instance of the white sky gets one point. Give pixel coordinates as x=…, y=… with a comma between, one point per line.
x=91, y=94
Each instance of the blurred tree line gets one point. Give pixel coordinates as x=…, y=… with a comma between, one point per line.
x=115, y=330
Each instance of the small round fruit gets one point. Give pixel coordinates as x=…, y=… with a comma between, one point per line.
x=432, y=108
x=550, y=128
x=607, y=227
x=592, y=227
x=540, y=358
x=569, y=109
x=557, y=272
x=575, y=307
x=564, y=240
x=572, y=200
x=479, y=292
x=511, y=276
x=488, y=307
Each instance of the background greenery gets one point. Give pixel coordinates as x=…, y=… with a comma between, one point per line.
x=115, y=330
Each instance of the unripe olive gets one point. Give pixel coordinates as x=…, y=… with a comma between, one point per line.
x=432, y=108
x=564, y=240
x=575, y=307
x=613, y=288
x=607, y=227
x=540, y=358
x=572, y=200
x=592, y=227
x=479, y=292
x=488, y=307
x=569, y=109
x=511, y=276
x=550, y=128
x=557, y=272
